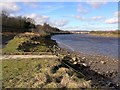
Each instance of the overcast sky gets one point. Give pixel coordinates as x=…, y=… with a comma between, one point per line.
x=68, y=15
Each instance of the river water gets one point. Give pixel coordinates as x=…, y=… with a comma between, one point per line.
x=87, y=44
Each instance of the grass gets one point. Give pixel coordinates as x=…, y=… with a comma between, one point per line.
x=22, y=43
x=25, y=72
x=13, y=44
x=51, y=85
x=36, y=73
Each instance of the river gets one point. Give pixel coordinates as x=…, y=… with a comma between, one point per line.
x=87, y=44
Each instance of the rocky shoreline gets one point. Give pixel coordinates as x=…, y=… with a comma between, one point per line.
x=102, y=69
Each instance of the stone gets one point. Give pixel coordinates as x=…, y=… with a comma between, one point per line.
x=90, y=62
x=103, y=62
x=99, y=72
x=84, y=64
x=79, y=61
x=74, y=58
x=71, y=60
x=83, y=57
x=107, y=72
x=75, y=63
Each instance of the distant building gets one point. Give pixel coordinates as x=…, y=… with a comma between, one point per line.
x=80, y=32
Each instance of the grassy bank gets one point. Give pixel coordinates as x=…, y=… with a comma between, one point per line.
x=40, y=73
x=28, y=43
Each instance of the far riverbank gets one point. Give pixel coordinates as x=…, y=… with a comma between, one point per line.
x=114, y=34
x=105, y=35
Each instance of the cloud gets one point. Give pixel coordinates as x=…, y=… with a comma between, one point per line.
x=97, y=18
x=112, y=21
x=58, y=23
x=79, y=17
x=31, y=4
x=39, y=19
x=96, y=3
x=115, y=19
x=71, y=28
x=9, y=6
x=81, y=9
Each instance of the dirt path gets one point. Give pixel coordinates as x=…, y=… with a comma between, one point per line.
x=27, y=56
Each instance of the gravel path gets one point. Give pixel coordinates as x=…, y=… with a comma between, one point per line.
x=27, y=56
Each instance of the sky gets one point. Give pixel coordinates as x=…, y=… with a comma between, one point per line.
x=68, y=15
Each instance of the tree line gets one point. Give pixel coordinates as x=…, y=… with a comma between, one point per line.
x=16, y=23
x=20, y=24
